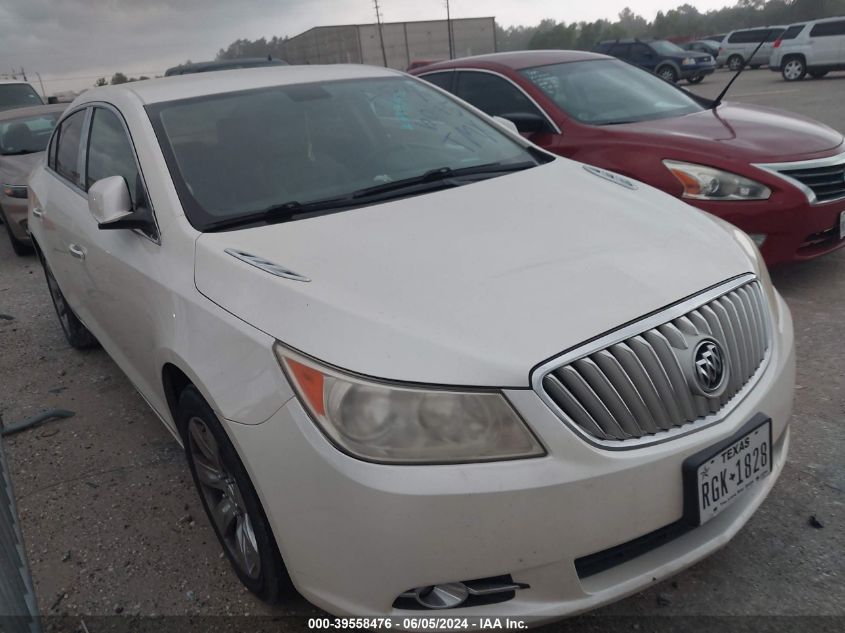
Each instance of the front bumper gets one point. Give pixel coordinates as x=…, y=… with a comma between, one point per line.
x=15, y=210
x=795, y=230
x=355, y=535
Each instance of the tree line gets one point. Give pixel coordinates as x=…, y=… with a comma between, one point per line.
x=684, y=22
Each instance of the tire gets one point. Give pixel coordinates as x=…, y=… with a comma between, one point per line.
x=817, y=74
x=230, y=500
x=668, y=73
x=793, y=69
x=19, y=247
x=735, y=62
x=77, y=335
x=695, y=79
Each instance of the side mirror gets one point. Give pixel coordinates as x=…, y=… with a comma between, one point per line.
x=111, y=205
x=507, y=124
x=527, y=122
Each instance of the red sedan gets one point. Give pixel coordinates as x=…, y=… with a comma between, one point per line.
x=778, y=176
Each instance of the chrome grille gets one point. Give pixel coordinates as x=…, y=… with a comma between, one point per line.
x=643, y=385
x=822, y=180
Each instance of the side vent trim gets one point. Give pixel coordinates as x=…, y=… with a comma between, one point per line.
x=266, y=265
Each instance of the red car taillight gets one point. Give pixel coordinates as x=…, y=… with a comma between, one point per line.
x=777, y=43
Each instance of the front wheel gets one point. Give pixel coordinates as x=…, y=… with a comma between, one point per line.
x=75, y=332
x=667, y=73
x=794, y=69
x=735, y=62
x=695, y=79
x=230, y=500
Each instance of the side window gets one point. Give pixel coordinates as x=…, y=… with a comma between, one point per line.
x=110, y=154
x=494, y=95
x=792, y=32
x=642, y=52
x=441, y=80
x=825, y=29
x=67, y=149
x=622, y=51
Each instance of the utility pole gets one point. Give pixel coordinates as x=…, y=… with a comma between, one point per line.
x=380, y=33
x=43, y=92
x=449, y=31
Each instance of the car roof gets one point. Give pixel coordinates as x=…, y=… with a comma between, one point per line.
x=223, y=64
x=516, y=60
x=757, y=28
x=833, y=19
x=14, y=113
x=217, y=82
x=14, y=81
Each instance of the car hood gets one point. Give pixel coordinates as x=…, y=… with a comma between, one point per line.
x=752, y=133
x=15, y=170
x=473, y=285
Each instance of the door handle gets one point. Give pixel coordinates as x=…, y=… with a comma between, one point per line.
x=37, y=212
x=76, y=251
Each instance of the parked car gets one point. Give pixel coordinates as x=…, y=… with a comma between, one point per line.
x=24, y=133
x=376, y=318
x=703, y=46
x=17, y=94
x=222, y=64
x=665, y=59
x=776, y=175
x=739, y=46
x=816, y=47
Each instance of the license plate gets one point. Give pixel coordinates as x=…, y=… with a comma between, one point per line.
x=842, y=225
x=718, y=476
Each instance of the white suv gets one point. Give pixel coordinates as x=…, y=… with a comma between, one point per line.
x=738, y=47
x=414, y=360
x=815, y=47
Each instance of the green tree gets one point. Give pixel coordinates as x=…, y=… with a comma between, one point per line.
x=118, y=78
x=100, y=82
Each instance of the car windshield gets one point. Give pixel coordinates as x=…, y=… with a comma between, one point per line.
x=26, y=135
x=607, y=91
x=18, y=96
x=665, y=47
x=235, y=154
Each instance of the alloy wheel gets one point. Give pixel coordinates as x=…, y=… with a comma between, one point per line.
x=735, y=62
x=793, y=70
x=223, y=498
x=668, y=74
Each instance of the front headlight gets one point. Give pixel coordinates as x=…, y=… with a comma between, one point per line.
x=689, y=61
x=383, y=422
x=707, y=183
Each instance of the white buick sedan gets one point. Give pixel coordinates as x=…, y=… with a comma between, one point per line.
x=415, y=362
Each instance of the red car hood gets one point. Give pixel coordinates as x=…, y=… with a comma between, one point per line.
x=755, y=133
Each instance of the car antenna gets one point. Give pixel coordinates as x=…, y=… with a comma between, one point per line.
x=718, y=100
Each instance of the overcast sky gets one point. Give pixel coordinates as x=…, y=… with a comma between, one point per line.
x=72, y=42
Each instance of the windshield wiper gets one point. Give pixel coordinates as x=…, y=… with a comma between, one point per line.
x=432, y=180
x=441, y=175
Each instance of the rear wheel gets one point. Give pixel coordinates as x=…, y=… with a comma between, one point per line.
x=794, y=69
x=19, y=247
x=230, y=500
x=77, y=335
x=817, y=74
x=695, y=79
x=667, y=73
x=735, y=62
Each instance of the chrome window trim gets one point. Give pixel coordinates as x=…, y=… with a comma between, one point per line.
x=829, y=161
x=638, y=327
x=501, y=76
x=75, y=186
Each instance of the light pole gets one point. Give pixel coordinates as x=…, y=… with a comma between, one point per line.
x=380, y=33
x=449, y=31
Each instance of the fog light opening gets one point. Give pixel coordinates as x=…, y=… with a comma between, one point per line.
x=445, y=596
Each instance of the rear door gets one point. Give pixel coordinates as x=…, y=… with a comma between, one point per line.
x=827, y=43
x=61, y=206
x=643, y=56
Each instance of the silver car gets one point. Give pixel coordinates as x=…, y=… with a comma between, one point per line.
x=24, y=133
x=738, y=47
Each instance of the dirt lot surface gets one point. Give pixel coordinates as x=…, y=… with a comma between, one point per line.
x=113, y=526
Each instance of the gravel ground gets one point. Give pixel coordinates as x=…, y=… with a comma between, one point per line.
x=113, y=525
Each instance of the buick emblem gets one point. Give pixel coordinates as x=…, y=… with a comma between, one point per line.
x=710, y=368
